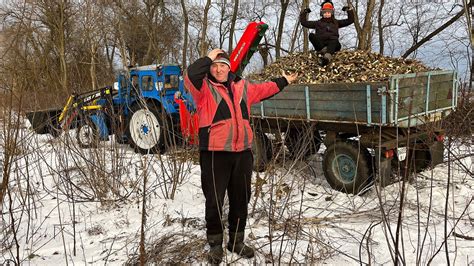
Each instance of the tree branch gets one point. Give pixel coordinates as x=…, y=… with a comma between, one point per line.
x=435, y=32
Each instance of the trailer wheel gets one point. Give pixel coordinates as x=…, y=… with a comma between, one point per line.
x=146, y=130
x=347, y=167
x=297, y=140
x=87, y=134
x=262, y=151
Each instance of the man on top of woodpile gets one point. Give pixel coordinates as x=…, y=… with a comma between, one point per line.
x=325, y=38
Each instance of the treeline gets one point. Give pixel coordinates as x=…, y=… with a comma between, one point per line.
x=54, y=47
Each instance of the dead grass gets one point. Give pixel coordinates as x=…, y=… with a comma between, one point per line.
x=174, y=248
x=459, y=124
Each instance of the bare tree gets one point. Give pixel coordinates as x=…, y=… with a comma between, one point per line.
x=281, y=24
x=91, y=25
x=232, y=25
x=304, y=5
x=380, y=26
x=224, y=22
x=436, y=31
x=364, y=32
x=56, y=15
x=204, y=45
x=185, y=34
x=470, y=26
x=392, y=18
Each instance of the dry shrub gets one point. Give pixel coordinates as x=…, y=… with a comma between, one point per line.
x=459, y=123
x=174, y=248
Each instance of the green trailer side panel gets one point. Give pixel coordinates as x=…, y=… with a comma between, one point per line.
x=329, y=102
x=407, y=100
x=414, y=91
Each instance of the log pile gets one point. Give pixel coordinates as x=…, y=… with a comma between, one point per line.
x=346, y=66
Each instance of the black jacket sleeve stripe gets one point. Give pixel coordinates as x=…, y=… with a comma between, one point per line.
x=197, y=71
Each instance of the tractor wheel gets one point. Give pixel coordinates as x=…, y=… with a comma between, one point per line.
x=87, y=134
x=302, y=143
x=262, y=151
x=347, y=167
x=146, y=130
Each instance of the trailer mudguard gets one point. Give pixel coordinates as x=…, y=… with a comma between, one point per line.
x=436, y=153
x=384, y=168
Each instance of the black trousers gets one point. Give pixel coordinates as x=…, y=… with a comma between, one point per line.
x=221, y=171
x=333, y=46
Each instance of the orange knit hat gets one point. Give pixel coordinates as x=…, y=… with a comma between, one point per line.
x=327, y=7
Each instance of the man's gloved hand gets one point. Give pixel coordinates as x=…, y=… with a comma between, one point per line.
x=307, y=11
x=346, y=8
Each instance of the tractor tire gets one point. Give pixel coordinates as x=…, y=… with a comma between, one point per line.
x=146, y=130
x=87, y=134
x=262, y=151
x=347, y=167
x=298, y=143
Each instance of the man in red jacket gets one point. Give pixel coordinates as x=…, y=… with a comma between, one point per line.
x=223, y=103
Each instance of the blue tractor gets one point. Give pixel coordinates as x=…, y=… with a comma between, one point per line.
x=140, y=110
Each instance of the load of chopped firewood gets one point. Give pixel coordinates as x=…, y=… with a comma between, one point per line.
x=346, y=66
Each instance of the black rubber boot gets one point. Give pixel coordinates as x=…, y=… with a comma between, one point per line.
x=216, y=252
x=324, y=50
x=236, y=244
x=326, y=59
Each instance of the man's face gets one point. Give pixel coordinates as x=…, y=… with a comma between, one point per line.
x=327, y=14
x=220, y=71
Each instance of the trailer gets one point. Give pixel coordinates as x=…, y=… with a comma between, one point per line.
x=370, y=129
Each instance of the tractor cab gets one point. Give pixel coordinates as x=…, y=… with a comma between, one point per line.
x=158, y=82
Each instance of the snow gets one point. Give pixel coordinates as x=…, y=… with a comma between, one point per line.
x=61, y=193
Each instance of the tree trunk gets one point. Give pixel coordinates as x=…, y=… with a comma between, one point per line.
x=204, y=45
x=380, y=27
x=470, y=25
x=222, y=26
x=357, y=25
x=185, y=39
x=281, y=23
x=110, y=54
x=305, y=30
x=232, y=26
x=294, y=37
x=365, y=36
x=61, y=44
x=92, y=68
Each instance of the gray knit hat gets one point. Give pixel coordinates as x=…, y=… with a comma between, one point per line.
x=222, y=58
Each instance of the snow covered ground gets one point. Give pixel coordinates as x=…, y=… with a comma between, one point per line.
x=85, y=206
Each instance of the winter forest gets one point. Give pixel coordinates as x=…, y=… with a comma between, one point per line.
x=110, y=201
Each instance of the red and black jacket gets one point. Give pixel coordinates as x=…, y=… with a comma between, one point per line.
x=224, y=108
